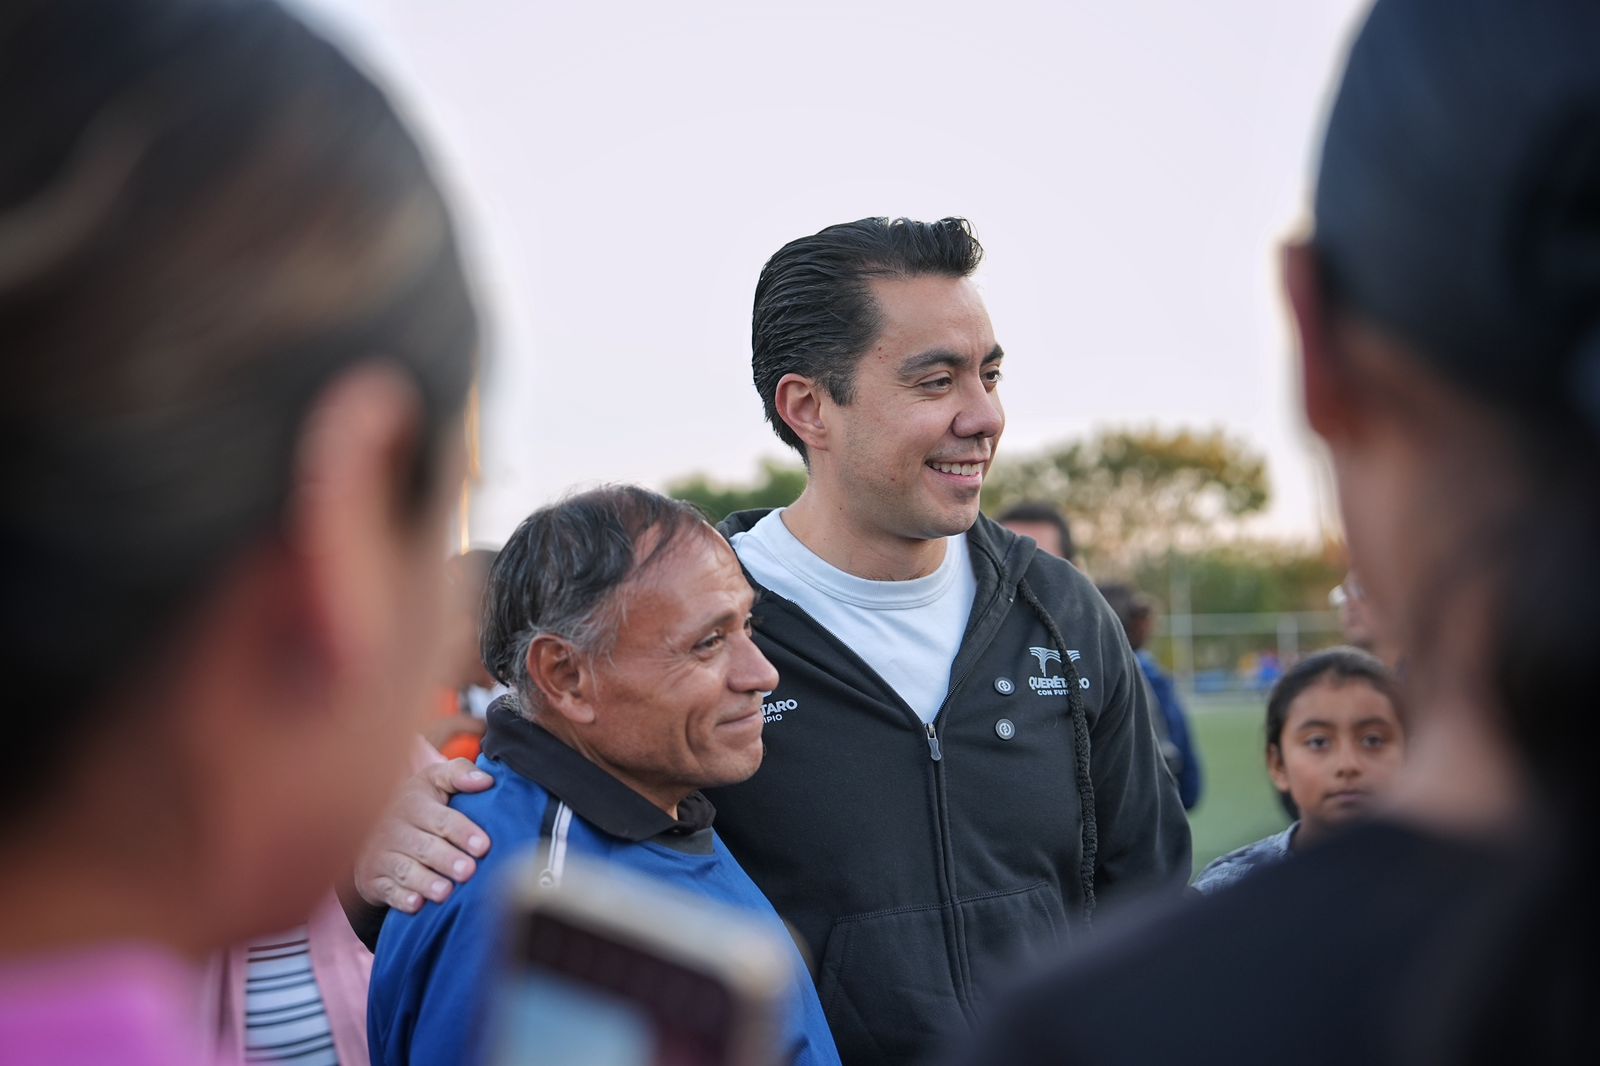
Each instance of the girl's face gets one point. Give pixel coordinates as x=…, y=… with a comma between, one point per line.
x=1340, y=748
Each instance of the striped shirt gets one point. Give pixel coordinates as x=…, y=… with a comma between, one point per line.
x=283, y=1012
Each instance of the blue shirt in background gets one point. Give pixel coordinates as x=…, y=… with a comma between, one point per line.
x=1177, y=722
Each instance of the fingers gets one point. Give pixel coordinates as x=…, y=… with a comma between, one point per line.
x=427, y=814
x=422, y=848
x=457, y=775
x=391, y=894
x=415, y=875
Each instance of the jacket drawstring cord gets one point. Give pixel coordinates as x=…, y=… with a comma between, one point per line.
x=1080, y=737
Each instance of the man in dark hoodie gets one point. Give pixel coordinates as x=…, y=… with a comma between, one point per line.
x=960, y=757
x=961, y=763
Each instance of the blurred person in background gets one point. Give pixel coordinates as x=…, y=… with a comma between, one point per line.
x=1137, y=613
x=468, y=688
x=1335, y=743
x=623, y=623
x=1046, y=525
x=1359, y=623
x=1448, y=305
x=238, y=341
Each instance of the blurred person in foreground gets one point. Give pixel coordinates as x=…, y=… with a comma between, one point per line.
x=467, y=688
x=1335, y=744
x=1137, y=613
x=237, y=345
x=1046, y=525
x=623, y=623
x=1448, y=303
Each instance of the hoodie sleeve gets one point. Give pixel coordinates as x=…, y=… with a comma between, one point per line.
x=1143, y=832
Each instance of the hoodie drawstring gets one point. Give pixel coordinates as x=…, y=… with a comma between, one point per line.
x=1080, y=738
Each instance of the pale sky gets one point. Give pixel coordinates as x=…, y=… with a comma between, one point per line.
x=622, y=170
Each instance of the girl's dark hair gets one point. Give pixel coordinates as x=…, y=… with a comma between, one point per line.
x=1339, y=665
x=207, y=213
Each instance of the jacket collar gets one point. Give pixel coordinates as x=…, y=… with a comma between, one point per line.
x=594, y=795
x=999, y=556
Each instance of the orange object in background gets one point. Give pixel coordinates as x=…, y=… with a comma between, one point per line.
x=462, y=744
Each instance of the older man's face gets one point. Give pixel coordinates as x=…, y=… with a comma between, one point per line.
x=678, y=701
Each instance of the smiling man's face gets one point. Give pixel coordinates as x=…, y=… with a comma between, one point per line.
x=910, y=451
x=677, y=699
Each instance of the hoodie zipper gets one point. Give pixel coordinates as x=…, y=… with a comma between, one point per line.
x=935, y=755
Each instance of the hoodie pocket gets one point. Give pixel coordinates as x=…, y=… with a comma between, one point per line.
x=886, y=980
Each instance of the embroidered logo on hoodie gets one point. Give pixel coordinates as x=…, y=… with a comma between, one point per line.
x=1046, y=684
x=774, y=711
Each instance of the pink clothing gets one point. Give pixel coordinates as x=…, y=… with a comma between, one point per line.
x=342, y=965
x=131, y=1005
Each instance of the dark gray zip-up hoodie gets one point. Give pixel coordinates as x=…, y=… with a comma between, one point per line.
x=918, y=863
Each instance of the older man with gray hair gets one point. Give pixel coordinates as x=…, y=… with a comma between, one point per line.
x=622, y=622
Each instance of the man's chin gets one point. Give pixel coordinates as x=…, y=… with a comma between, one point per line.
x=736, y=767
x=953, y=520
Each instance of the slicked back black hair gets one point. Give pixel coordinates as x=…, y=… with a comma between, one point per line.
x=814, y=313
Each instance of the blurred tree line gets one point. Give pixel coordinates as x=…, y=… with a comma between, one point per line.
x=777, y=485
x=1145, y=505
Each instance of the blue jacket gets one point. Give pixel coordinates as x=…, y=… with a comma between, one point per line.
x=1240, y=863
x=1177, y=722
x=433, y=974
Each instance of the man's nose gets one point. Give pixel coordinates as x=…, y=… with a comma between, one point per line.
x=753, y=671
x=981, y=415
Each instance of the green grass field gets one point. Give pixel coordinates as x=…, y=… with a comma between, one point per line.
x=1237, y=804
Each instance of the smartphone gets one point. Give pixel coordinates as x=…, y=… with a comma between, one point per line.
x=609, y=968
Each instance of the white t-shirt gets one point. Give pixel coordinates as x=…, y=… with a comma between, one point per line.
x=907, y=631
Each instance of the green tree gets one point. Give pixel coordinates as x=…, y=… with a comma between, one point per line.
x=1247, y=576
x=1134, y=494
x=778, y=485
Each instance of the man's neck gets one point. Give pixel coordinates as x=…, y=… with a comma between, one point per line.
x=826, y=528
x=665, y=797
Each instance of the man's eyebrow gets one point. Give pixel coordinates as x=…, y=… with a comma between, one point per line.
x=730, y=617
x=1314, y=723
x=943, y=357
x=1377, y=719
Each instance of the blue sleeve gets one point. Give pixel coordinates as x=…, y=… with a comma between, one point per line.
x=811, y=1042
x=429, y=980
x=1189, y=775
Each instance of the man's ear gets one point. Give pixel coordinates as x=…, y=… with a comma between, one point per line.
x=1323, y=387
x=563, y=679
x=800, y=403
x=1275, y=768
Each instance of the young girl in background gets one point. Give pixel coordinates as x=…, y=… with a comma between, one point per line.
x=1335, y=740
